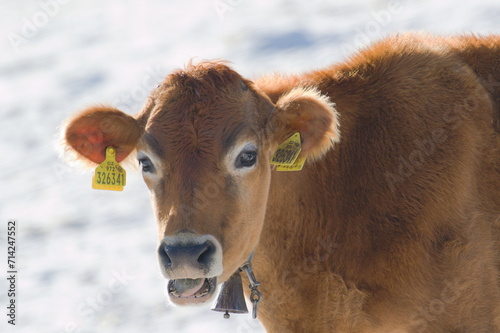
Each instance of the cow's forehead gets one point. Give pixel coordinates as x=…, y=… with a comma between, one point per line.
x=176, y=129
x=201, y=111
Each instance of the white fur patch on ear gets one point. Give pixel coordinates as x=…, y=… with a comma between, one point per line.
x=312, y=114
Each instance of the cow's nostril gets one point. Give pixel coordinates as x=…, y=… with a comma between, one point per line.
x=206, y=256
x=164, y=255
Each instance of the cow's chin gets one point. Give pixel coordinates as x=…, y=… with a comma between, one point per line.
x=191, y=291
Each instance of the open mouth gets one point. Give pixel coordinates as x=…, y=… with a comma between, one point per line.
x=191, y=290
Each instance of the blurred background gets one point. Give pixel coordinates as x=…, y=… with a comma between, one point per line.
x=86, y=258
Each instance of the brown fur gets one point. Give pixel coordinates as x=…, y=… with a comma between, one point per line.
x=395, y=230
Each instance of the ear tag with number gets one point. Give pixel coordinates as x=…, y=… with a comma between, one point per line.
x=287, y=153
x=296, y=166
x=109, y=175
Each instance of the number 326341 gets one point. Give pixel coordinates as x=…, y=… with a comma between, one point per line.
x=109, y=178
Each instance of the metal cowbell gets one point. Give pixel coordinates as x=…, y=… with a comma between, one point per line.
x=231, y=298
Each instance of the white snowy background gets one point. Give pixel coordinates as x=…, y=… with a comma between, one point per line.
x=86, y=258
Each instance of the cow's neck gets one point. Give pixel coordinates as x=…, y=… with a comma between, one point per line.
x=294, y=248
x=297, y=215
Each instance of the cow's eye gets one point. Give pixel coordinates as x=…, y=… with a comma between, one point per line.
x=146, y=164
x=246, y=159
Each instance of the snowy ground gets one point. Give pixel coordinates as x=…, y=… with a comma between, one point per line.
x=86, y=259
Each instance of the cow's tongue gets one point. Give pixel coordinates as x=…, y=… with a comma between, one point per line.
x=187, y=287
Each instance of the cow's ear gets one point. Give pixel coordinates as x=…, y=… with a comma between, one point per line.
x=92, y=130
x=313, y=115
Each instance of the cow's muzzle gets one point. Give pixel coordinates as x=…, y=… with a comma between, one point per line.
x=192, y=264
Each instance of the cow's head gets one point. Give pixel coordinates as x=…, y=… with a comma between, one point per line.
x=204, y=140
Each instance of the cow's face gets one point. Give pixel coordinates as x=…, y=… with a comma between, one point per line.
x=204, y=141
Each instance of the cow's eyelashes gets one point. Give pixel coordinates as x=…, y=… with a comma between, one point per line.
x=246, y=159
x=146, y=164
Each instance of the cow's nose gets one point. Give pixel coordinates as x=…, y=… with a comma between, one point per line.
x=198, y=256
x=190, y=256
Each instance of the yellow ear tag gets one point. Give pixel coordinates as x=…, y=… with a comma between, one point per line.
x=296, y=166
x=287, y=153
x=109, y=175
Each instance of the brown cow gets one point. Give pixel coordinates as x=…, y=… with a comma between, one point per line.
x=393, y=224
